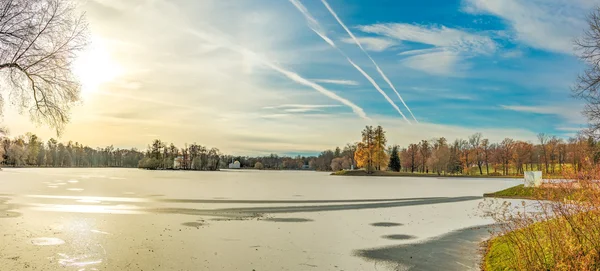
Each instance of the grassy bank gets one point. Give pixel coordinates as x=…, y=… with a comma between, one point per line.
x=547, y=194
x=560, y=230
x=563, y=243
x=515, y=192
x=409, y=174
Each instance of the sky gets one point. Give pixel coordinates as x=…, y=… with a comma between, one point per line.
x=297, y=77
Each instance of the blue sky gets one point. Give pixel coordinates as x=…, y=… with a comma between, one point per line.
x=263, y=76
x=481, y=67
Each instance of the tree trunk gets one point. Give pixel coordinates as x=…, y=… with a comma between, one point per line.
x=467, y=163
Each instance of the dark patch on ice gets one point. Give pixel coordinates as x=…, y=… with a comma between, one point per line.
x=457, y=250
x=155, y=195
x=193, y=224
x=242, y=201
x=399, y=237
x=6, y=210
x=386, y=224
x=287, y=219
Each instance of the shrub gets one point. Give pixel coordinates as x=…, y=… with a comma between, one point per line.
x=560, y=231
x=149, y=163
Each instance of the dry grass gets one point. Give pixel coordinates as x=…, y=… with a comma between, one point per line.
x=560, y=231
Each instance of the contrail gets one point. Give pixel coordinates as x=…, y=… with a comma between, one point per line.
x=314, y=25
x=377, y=87
x=363, y=49
x=291, y=75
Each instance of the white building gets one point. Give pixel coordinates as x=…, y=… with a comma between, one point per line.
x=177, y=162
x=235, y=165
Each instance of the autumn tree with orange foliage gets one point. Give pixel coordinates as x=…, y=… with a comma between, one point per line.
x=370, y=152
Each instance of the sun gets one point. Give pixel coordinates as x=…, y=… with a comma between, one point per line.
x=95, y=66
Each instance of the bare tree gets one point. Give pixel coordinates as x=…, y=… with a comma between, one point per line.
x=425, y=151
x=588, y=83
x=349, y=151
x=506, y=149
x=543, y=138
x=39, y=40
x=475, y=144
x=485, y=145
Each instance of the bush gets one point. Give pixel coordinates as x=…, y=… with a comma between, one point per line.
x=559, y=232
x=149, y=163
x=259, y=165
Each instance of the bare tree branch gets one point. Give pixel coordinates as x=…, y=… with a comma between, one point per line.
x=39, y=40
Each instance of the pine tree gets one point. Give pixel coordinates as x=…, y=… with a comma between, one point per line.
x=395, y=160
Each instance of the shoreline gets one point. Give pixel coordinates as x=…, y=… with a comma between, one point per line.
x=361, y=173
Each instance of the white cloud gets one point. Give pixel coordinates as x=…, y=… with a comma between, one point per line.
x=373, y=44
x=444, y=63
x=570, y=129
x=429, y=94
x=570, y=113
x=512, y=54
x=420, y=51
x=301, y=108
x=543, y=24
x=439, y=36
x=451, y=47
x=336, y=82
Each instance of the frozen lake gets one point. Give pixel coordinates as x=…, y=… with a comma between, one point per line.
x=129, y=219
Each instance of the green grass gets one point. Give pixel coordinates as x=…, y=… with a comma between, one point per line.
x=534, y=193
x=541, y=239
x=501, y=250
x=498, y=255
x=515, y=192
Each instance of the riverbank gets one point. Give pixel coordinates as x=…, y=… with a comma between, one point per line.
x=562, y=234
x=515, y=192
x=408, y=174
x=563, y=243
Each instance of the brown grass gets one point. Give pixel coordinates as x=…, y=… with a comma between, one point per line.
x=559, y=230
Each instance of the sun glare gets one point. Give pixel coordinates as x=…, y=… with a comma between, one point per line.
x=96, y=66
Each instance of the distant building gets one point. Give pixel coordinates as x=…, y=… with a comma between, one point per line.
x=177, y=162
x=235, y=165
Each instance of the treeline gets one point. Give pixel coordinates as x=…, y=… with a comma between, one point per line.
x=30, y=151
x=161, y=155
x=475, y=155
x=549, y=155
x=273, y=161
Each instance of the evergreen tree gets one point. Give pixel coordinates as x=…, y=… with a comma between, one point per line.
x=395, y=160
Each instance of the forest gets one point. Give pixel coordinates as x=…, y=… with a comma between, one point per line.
x=474, y=155
x=30, y=151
